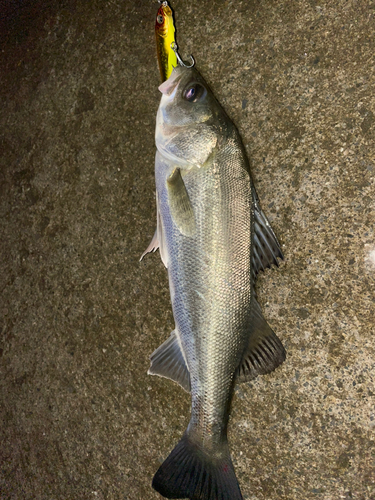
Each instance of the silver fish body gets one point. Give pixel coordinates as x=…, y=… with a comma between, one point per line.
x=214, y=239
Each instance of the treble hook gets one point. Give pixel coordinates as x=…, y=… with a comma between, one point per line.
x=174, y=47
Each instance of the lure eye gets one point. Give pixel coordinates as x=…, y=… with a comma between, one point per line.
x=194, y=92
x=160, y=19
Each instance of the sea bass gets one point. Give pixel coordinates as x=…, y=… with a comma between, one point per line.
x=214, y=238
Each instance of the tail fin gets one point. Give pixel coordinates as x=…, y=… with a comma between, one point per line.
x=189, y=472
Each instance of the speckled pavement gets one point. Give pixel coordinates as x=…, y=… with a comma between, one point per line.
x=80, y=315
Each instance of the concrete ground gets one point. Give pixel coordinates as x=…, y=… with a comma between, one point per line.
x=79, y=315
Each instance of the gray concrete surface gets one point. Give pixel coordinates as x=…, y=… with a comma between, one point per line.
x=79, y=315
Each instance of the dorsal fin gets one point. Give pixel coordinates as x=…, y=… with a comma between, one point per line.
x=266, y=248
x=265, y=351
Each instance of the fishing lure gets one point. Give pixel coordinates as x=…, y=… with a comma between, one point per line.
x=165, y=40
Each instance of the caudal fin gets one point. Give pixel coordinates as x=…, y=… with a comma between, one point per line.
x=189, y=472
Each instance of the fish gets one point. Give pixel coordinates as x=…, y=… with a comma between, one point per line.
x=165, y=41
x=214, y=239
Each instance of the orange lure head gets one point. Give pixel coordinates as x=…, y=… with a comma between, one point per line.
x=165, y=40
x=164, y=21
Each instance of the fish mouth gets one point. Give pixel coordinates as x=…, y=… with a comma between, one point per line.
x=168, y=87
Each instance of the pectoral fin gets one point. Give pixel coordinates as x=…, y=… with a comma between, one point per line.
x=179, y=204
x=168, y=361
x=266, y=248
x=265, y=351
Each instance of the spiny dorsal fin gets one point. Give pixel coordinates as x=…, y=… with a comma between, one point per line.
x=266, y=248
x=179, y=204
x=169, y=361
x=265, y=351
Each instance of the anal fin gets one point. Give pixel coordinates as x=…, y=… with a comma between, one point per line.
x=265, y=351
x=168, y=361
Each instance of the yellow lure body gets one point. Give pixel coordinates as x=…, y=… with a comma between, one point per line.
x=165, y=38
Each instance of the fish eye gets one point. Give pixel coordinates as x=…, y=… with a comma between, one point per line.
x=194, y=92
x=159, y=19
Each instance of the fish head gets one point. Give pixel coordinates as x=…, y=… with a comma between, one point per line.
x=190, y=122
